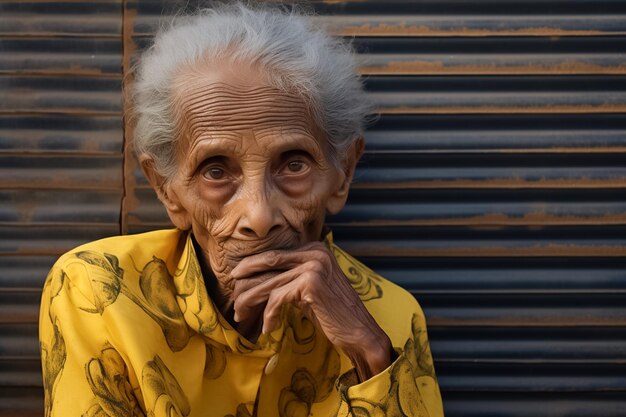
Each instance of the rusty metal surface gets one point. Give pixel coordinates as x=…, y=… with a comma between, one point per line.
x=61, y=142
x=475, y=26
x=503, y=94
x=548, y=404
x=24, y=273
x=60, y=172
x=61, y=18
x=48, y=56
x=513, y=275
x=500, y=134
x=60, y=134
x=491, y=56
x=64, y=94
x=443, y=18
x=492, y=187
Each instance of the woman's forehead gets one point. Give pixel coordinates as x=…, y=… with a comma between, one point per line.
x=211, y=108
x=231, y=95
x=225, y=106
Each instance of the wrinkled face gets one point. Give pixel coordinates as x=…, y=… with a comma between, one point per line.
x=254, y=172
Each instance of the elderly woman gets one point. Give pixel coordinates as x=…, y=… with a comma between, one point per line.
x=248, y=126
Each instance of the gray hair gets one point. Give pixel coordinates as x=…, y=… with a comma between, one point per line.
x=297, y=56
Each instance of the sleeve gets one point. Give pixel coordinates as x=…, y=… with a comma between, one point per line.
x=408, y=387
x=83, y=375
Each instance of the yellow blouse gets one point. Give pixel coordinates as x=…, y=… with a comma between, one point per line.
x=127, y=329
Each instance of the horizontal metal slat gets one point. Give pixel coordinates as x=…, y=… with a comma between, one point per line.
x=482, y=208
x=503, y=275
x=489, y=178
x=21, y=401
x=526, y=378
x=429, y=7
x=68, y=95
x=101, y=172
x=500, y=64
x=466, y=25
x=24, y=272
x=580, y=47
x=61, y=18
x=20, y=373
x=34, y=207
x=502, y=94
x=19, y=307
x=490, y=171
x=479, y=215
x=494, y=133
x=19, y=342
x=453, y=7
x=440, y=19
x=524, y=310
x=50, y=240
x=482, y=242
x=60, y=134
x=524, y=404
x=491, y=56
x=534, y=345
x=49, y=56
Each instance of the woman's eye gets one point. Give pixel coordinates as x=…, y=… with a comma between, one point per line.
x=295, y=166
x=214, y=173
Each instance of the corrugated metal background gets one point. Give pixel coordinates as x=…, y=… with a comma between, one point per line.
x=493, y=186
x=61, y=162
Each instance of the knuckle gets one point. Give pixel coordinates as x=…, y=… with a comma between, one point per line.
x=311, y=284
x=323, y=256
x=310, y=296
x=271, y=259
x=309, y=278
x=315, y=266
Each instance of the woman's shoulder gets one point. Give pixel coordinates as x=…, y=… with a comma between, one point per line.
x=134, y=247
x=104, y=263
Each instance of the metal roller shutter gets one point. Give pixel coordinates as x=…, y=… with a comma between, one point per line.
x=61, y=142
x=492, y=186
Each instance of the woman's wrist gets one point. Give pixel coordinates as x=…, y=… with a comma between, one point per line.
x=373, y=358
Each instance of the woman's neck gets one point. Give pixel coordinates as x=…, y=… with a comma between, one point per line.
x=223, y=298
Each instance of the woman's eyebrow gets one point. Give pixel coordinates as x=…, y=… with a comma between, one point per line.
x=294, y=138
x=224, y=144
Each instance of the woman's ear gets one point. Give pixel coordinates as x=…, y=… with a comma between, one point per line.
x=337, y=200
x=175, y=210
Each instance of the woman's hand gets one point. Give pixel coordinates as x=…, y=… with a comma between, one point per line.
x=310, y=278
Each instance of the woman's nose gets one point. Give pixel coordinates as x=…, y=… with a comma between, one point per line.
x=260, y=216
